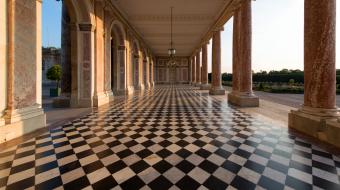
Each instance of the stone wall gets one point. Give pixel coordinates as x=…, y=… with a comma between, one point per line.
x=166, y=75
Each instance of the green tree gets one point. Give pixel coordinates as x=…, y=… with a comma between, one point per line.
x=54, y=73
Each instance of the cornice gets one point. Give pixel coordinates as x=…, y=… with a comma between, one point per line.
x=226, y=14
x=122, y=19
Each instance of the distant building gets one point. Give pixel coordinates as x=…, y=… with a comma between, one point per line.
x=50, y=57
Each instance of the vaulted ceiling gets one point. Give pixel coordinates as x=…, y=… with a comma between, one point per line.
x=193, y=19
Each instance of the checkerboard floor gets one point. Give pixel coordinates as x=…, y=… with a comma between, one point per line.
x=168, y=138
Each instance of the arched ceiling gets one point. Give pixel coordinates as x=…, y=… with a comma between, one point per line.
x=193, y=20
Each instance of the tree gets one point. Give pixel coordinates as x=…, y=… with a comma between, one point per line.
x=54, y=73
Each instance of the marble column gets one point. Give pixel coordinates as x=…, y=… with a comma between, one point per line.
x=121, y=87
x=145, y=83
x=198, y=69
x=100, y=95
x=66, y=80
x=152, y=75
x=216, y=82
x=189, y=71
x=65, y=52
x=136, y=74
x=205, y=85
x=193, y=71
x=23, y=113
x=317, y=117
x=236, y=50
x=147, y=76
x=242, y=94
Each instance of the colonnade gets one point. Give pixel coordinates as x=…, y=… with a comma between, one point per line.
x=319, y=115
x=242, y=93
x=98, y=47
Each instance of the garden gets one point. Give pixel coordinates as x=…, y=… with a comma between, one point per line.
x=284, y=81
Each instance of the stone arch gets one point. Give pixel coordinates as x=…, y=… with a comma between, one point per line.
x=80, y=64
x=117, y=57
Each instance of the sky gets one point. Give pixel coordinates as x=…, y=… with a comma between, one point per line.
x=277, y=34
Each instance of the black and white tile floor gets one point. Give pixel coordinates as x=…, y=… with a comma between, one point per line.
x=168, y=138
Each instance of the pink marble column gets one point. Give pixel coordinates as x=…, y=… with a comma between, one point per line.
x=193, y=71
x=189, y=71
x=205, y=85
x=66, y=78
x=65, y=52
x=319, y=55
x=319, y=116
x=242, y=94
x=245, y=50
x=198, y=69
x=216, y=83
x=153, y=72
x=236, y=51
x=122, y=87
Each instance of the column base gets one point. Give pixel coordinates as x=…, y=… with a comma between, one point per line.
x=141, y=87
x=2, y=121
x=130, y=90
x=205, y=87
x=120, y=92
x=22, y=121
x=216, y=91
x=61, y=102
x=198, y=84
x=102, y=98
x=243, y=100
x=148, y=85
x=322, y=124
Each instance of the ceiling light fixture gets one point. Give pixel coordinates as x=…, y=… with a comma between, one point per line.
x=171, y=51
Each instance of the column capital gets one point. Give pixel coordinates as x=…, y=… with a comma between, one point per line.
x=218, y=29
x=74, y=26
x=86, y=27
x=121, y=48
x=205, y=42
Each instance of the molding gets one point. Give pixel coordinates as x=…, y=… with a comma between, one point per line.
x=127, y=24
x=183, y=18
x=226, y=14
x=17, y=115
x=86, y=27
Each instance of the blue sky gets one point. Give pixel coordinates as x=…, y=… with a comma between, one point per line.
x=277, y=34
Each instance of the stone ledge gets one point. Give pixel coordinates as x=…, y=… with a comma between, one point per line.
x=217, y=91
x=101, y=99
x=61, y=102
x=120, y=92
x=29, y=120
x=197, y=84
x=130, y=90
x=2, y=121
x=205, y=87
x=326, y=129
x=243, y=101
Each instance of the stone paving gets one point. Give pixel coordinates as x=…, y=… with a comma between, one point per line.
x=172, y=137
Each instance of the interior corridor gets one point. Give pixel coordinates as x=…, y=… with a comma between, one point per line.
x=170, y=137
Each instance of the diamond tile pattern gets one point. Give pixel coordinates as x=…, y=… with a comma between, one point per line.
x=172, y=137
